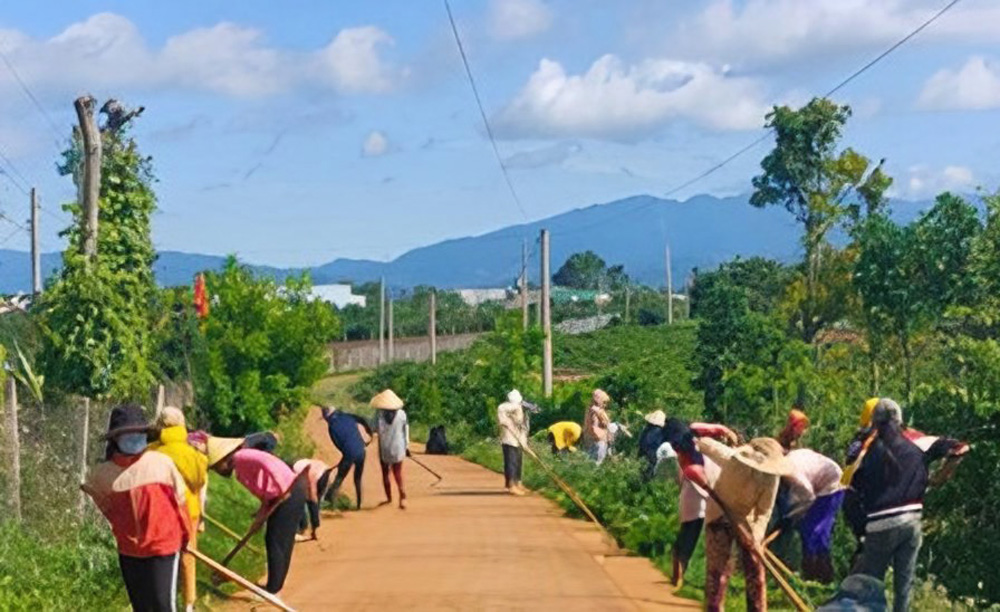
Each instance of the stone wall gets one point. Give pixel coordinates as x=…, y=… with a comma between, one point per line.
x=363, y=354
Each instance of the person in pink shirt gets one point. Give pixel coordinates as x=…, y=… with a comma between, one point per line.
x=282, y=499
x=317, y=475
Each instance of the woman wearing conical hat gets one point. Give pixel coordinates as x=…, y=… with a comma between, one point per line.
x=393, y=431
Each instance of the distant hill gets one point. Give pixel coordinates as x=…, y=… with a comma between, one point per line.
x=702, y=231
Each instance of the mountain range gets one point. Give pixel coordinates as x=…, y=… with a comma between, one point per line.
x=702, y=232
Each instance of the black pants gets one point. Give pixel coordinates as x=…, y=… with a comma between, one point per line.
x=687, y=539
x=511, y=464
x=342, y=468
x=311, y=516
x=151, y=582
x=279, y=539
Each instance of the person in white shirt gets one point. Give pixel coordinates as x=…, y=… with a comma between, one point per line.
x=814, y=496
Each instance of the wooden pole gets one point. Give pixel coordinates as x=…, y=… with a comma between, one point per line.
x=546, y=317
x=82, y=452
x=670, y=289
x=91, y=179
x=432, y=331
x=36, y=255
x=392, y=339
x=240, y=580
x=628, y=301
x=15, y=446
x=524, y=285
x=381, y=322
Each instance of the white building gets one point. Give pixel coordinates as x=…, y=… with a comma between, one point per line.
x=339, y=295
x=475, y=297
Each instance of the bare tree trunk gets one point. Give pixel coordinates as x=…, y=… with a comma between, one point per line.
x=15, y=447
x=91, y=183
x=904, y=342
x=84, y=443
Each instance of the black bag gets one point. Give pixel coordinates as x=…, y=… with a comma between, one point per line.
x=263, y=441
x=437, y=441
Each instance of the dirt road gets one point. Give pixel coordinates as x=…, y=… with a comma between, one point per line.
x=463, y=545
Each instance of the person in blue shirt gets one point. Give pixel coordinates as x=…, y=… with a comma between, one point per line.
x=343, y=430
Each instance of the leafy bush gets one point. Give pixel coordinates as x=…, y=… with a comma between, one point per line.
x=264, y=347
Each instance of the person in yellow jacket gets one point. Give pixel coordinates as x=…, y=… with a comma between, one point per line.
x=563, y=436
x=193, y=466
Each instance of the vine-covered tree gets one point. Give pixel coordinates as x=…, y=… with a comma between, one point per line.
x=96, y=315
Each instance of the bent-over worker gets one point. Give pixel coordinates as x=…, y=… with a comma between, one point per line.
x=282, y=499
x=814, y=496
x=317, y=477
x=563, y=437
x=343, y=429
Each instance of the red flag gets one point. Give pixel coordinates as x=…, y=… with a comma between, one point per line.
x=200, y=297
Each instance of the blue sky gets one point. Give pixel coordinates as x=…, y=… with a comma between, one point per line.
x=294, y=133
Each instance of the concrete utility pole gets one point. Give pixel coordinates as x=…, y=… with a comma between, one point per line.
x=432, y=327
x=381, y=322
x=36, y=255
x=524, y=284
x=546, y=317
x=670, y=290
x=91, y=180
x=10, y=393
x=628, y=301
x=392, y=343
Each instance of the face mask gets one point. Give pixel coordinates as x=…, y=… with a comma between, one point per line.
x=131, y=443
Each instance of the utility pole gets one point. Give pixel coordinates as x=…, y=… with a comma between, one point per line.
x=628, y=300
x=670, y=290
x=381, y=322
x=524, y=285
x=546, y=317
x=10, y=397
x=91, y=180
x=432, y=328
x=36, y=256
x=392, y=343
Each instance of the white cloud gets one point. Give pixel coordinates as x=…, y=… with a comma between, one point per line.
x=781, y=31
x=974, y=86
x=618, y=102
x=108, y=51
x=512, y=19
x=376, y=144
x=926, y=182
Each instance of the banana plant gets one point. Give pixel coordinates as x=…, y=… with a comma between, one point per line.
x=26, y=375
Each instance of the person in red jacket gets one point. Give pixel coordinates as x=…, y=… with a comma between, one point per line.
x=142, y=495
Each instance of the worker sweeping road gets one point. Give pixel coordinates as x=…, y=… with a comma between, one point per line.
x=810, y=500
x=890, y=483
x=742, y=499
x=282, y=499
x=343, y=429
x=595, y=426
x=514, y=426
x=393, y=430
x=563, y=437
x=317, y=477
x=193, y=467
x=143, y=497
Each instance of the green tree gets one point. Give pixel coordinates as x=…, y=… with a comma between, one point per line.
x=820, y=186
x=95, y=317
x=581, y=271
x=265, y=346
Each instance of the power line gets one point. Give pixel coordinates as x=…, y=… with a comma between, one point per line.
x=482, y=112
x=725, y=162
x=31, y=96
x=13, y=174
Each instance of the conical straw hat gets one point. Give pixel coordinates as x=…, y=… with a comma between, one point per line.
x=387, y=400
x=764, y=455
x=220, y=448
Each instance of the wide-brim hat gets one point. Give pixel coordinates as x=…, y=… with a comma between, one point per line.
x=171, y=416
x=125, y=420
x=764, y=455
x=387, y=400
x=600, y=397
x=220, y=448
x=658, y=418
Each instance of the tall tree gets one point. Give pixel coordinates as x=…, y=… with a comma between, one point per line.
x=96, y=317
x=820, y=186
x=581, y=271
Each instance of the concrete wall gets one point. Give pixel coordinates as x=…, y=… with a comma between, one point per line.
x=363, y=354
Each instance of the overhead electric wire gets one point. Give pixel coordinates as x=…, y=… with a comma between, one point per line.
x=732, y=157
x=31, y=96
x=482, y=112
